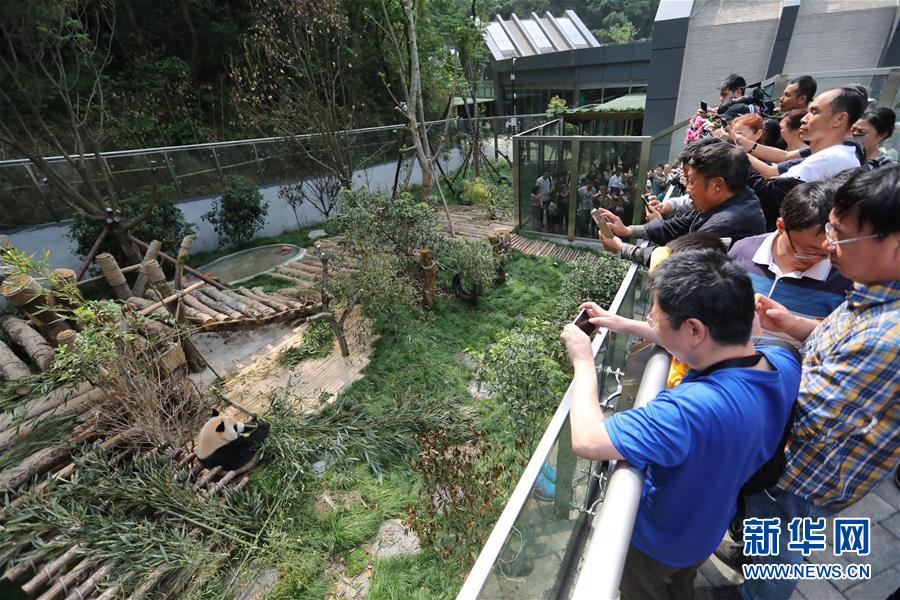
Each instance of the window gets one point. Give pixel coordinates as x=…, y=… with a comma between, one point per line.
x=499, y=36
x=536, y=35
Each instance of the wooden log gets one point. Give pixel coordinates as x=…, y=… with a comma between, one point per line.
x=293, y=302
x=310, y=269
x=229, y=301
x=92, y=253
x=40, y=462
x=270, y=302
x=23, y=292
x=42, y=405
x=140, y=284
x=253, y=304
x=29, y=340
x=287, y=274
x=15, y=572
x=157, y=279
x=66, y=339
x=181, y=259
x=191, y=301
x=171, y=260
x=113, y=590
x=65, y=290
x=114, y=276
x=11, y=367
x=49, y=570
x=168, y=300
x=430, y=269
x=63, y=583
x=220, y=308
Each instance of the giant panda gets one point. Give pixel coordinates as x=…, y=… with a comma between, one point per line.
x=222, y=445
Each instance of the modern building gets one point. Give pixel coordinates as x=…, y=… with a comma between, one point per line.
x=536, y=58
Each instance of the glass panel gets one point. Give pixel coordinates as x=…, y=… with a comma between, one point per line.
x=135, y=172
x=540, y=549
x=536, y=35
x=21, y=203
x=239, y=160
x=544, y=180
x=196, y=172
x=499, y=36
x=612, y=169
x=571, y=32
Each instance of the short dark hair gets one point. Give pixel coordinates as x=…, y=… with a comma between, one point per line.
x=851, y=101
x=709, y=286
x=882, y=119
x=772, y=133
x=806, y=86
x=874, y=196
x=687, y=153
x=722, y=160
x=733, y=82
x=793, y=118
x=807, y=205
x=697, y=240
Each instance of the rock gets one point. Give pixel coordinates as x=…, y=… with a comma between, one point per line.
x=319, y=467
x=352, y=588
x=327, y=503
x=395, y=539
x=259, y=585
x=480, y=391
x=316, y=234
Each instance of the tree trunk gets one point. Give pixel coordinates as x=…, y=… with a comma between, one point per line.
x=29, y=340
x=430, y=276
x=23, y=292
x=220, y=308
x=140, y=284
x=113, y=275
x=231, y=302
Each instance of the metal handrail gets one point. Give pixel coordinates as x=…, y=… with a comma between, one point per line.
x=492, y=548
x=232, y=143
x=607, y=547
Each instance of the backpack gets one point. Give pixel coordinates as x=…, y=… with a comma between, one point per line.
x=553, y=208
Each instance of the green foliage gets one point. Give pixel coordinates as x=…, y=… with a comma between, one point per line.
x=526, y=369
x=494, y=197
x=557, y=105
x=317, y=342
x=472, y=259
x=165, y=223
x=594, y=279
x=461, y=483
x=239, y=213
x=475, y=191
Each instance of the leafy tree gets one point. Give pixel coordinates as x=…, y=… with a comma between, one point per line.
x=165, y=222
x=472, y=261
x=240, y=213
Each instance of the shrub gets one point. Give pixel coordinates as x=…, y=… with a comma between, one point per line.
x=318, y=340
x=240, y=213
x=594, y=279
x=494, y=197
x=473, y=260
x=165, y=223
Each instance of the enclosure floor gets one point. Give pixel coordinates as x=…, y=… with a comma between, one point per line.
x=253, y=387
x=471, y=222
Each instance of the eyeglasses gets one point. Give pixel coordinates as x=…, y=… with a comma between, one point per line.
x=803, y=255
x=829, y=237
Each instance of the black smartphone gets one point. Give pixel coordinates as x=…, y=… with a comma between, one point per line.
x=646, y=200
x=583, y=323
x=703, y=106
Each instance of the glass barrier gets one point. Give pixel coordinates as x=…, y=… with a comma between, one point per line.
x=544, y=169
x=559, y=491
x=610, y=177
x=200, y=170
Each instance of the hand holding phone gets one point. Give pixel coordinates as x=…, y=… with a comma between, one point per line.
x=602, y=225
x=582, y=322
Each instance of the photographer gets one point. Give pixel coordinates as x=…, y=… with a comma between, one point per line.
x=702, y=314
x=716, y=173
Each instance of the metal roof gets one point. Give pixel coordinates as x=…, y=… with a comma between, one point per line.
x=518, y=37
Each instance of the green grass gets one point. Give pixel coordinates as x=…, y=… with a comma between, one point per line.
x=298, y=237
x=416, y=358
x=269, y=283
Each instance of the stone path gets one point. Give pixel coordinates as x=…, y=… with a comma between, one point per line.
x=882, y=507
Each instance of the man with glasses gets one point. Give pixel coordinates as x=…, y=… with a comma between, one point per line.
x=700, y=440
x=846, y=432
x=790, y=265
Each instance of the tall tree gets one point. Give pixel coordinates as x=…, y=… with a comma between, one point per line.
x=53, y=58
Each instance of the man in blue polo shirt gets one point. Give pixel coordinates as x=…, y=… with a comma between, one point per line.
x=789, y=265
x=699, y=441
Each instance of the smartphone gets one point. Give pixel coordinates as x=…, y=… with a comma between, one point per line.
x=646, y=200
x=604, y=228
x=703, y=106
x=582, y=322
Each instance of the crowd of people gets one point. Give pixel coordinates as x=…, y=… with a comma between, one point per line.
x=775, y=282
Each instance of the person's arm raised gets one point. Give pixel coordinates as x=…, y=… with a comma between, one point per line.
x=767, y=153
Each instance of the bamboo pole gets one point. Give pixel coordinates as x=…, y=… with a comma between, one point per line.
x=29, y=340
x=141, y=282
x=139, y=304
x=181, y=258
x=188, y=269
x=89, y=258
x=171, y=297
x=114, y=276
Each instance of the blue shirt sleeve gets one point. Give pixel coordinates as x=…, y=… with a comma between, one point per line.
x=656, y=433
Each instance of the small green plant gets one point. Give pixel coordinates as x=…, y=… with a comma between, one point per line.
x=475, y=191
x=472, y=261
x=594, y=279
x=461, y=483
x=240, y=213
x=318, y=339
x=526, y=370
x=557, y=106
x=494, y=197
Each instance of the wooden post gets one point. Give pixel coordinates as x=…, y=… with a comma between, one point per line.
x=430, y=269
x=23, y=292
x=114, y=276
x=183, y=252
x=499, y=240
x=66, y=294
x=11, y=367
x=66, y=338
x=157, y=280
x=92, y=253
x=187, y=269
x=141, y=282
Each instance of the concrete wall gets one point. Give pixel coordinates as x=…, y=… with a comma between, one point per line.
x=836, y=35
x=725, y=37
x=280, y=217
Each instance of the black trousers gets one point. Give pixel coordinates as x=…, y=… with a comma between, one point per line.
x=646, y=578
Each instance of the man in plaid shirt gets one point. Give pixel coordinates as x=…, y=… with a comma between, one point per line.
x=846, y=432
